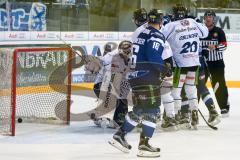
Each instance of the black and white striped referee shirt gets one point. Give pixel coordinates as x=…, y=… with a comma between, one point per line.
x=215, y=37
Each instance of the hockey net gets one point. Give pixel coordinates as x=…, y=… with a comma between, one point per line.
x=35, y=86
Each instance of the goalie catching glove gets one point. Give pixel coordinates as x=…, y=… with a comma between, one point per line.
x=92, y=64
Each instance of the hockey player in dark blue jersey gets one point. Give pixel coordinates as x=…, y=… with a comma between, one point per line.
x=145, y=80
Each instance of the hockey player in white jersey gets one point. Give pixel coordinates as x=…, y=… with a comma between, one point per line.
x=183, y=35
x=139, y=17
x=169, y=122
x=140, y=20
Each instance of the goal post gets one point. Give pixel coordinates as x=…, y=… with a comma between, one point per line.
x=35, y=86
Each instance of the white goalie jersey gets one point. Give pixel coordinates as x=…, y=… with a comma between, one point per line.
x=106, y=62
x=114, y=64
x=183, y=37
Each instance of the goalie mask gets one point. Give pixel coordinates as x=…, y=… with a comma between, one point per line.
x=125, y=48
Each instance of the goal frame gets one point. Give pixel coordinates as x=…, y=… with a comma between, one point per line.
x=14, y=80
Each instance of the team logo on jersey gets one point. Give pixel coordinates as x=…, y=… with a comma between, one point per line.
x=184, y=22
x=215, y=34
x=137, y=74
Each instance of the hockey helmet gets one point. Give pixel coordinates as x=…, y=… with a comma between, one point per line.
x=140, y=16
x=211, y=13
x=179, y=12
x=155, y=16
x=166, y=19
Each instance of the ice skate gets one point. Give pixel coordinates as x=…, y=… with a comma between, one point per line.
x=119, y=142
x=146, y=150
x=169, y=124
x=224, y=113
x=194, y=119
x=214, y=118
x=184, y=122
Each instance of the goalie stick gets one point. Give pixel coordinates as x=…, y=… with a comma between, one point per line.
x=69, y=46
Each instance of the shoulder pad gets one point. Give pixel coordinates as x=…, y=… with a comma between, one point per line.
x=158, y=35
x=146, y=31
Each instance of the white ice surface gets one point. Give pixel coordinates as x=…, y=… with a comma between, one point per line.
x=82, y=140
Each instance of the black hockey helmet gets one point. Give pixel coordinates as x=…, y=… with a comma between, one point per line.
x=125, y=47
x=155, y=16
x=179, y=12
x=210, y=13
x=140, y=16
x=166, y=19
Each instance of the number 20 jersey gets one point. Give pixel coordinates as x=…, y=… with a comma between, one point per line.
x=183, y=37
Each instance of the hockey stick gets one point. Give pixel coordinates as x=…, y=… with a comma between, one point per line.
x=214, y=90
x=70, y=47
x=209, y=125
x=86, y=58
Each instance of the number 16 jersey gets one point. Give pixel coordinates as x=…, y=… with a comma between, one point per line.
x=183, y=37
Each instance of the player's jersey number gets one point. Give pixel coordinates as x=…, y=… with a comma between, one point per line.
x=135, y=49
x=189, y=47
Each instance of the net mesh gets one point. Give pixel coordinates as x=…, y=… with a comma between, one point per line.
x=43, y=77
x=6, y=57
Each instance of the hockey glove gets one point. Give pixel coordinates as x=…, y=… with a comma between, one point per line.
x=93, y=64
x=205, y=52
x=169, y=68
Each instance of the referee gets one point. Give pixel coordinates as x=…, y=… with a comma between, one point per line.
x=213, y=47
